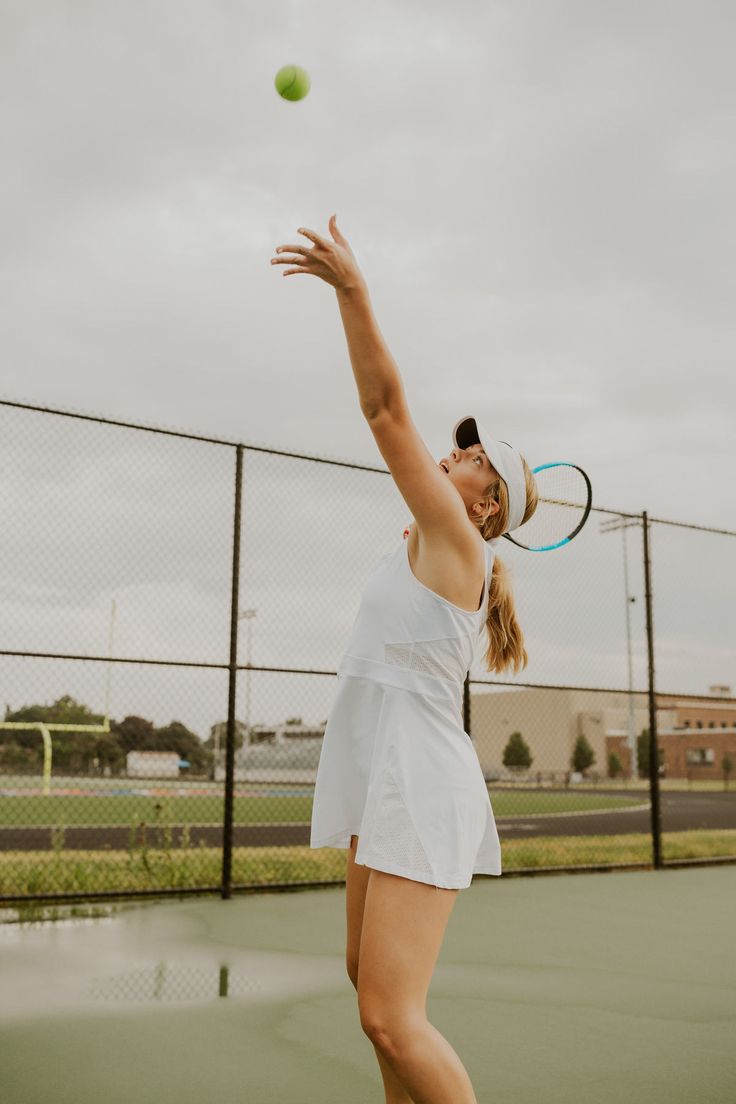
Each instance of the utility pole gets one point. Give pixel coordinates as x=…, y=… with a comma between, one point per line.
x=612, y=526
x=248, y=614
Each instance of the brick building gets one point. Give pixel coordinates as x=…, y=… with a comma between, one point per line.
x=694, y=735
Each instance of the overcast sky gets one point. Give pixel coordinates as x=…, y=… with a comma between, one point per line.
x=541, y=198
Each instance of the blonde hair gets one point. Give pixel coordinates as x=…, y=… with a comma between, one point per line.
x=505, y=638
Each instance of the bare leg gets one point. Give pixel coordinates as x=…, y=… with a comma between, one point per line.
x=428, y=1065
x=356, y=884
x=403, y=926
x=393, y=1086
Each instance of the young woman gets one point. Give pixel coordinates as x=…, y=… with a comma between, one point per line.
x=399, y=784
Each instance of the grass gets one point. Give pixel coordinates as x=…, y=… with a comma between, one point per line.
x=34, y=873
x=37, y=810
x=155, y=864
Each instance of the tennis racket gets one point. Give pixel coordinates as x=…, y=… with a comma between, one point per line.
x=565, y=498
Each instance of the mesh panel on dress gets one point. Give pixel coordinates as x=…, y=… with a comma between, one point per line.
x=393, y=836
x=443, y=658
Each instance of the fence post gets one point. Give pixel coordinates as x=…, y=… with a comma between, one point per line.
x=656, y=819
x=227, y=828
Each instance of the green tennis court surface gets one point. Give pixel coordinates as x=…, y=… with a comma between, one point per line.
x=589, y=987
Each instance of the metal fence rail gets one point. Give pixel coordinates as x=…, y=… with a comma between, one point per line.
x=129, y=550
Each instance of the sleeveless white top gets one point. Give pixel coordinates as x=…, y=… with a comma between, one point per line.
x=397, y=768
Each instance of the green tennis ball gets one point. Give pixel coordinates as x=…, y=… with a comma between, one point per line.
x=292, y=82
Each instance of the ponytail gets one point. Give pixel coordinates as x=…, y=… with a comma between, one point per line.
x=505, y=638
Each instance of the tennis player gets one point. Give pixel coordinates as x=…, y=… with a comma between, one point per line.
x=399, y=784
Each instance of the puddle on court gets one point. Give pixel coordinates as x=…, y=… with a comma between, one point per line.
x=56, y=959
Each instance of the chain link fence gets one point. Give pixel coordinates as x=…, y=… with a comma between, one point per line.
x=174, y=610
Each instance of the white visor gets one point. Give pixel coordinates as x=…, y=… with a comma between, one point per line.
x=505, y=459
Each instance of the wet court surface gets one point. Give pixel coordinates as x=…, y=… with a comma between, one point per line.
x=601, y=987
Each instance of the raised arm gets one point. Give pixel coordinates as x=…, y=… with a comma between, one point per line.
x=434, y=503
x=380, y=388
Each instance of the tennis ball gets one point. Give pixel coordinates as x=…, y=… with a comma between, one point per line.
x=292, y=82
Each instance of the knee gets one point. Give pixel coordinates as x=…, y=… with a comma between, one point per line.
x=374, y=1025
x=386, y=1028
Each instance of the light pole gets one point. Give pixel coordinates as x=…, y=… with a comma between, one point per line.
x=249, y=614
x=609, y=527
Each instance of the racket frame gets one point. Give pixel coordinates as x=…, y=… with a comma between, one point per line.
x=578, y=527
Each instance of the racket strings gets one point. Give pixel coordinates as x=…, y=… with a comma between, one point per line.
x=563, y=502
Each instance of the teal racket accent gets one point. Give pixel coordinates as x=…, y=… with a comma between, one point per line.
x=565, y=499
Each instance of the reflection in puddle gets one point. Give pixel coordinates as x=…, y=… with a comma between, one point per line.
x=172, y=982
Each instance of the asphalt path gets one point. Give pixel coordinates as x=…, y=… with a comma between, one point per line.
x=680, y=812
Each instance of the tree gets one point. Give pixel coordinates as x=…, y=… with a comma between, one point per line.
x=615, y=767
x=220, y=729
x=177, y=737
x=64, y=710
x=642, y=753
x=73, y=751
x=583, y=755
x=85, y=752
x=16, y=759
x=108, y=754
x=135, y=734
x=516, y=754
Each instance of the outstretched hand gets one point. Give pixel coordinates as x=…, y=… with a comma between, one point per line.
x=333, y=261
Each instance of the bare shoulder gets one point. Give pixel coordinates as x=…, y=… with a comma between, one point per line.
x=453, y=566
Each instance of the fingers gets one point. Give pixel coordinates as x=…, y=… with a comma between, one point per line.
x=336, y=231
x=312, y=236
x=320, y=263
x=290, y=260
x=301, y=257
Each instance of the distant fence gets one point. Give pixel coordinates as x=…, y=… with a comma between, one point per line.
x=132, y=557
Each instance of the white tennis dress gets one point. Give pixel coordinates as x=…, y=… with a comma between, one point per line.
x=397, y=768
